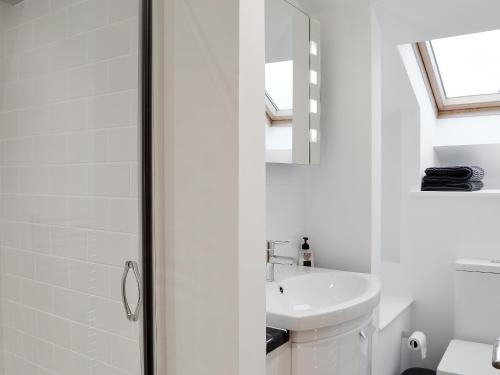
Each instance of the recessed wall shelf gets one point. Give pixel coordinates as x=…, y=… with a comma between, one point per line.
x=487, y=193
x=486, y=156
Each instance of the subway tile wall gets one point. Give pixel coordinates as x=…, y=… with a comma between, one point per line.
x=68, y=186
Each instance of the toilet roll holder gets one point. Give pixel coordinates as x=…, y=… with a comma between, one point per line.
x=415, y=345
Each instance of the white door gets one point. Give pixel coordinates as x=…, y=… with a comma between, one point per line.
x=69, y=213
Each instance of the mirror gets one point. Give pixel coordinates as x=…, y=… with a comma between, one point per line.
x=292, y=85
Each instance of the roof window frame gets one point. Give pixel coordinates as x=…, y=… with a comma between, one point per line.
x=456, y=106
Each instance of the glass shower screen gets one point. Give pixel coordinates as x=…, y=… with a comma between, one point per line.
x=69, y=196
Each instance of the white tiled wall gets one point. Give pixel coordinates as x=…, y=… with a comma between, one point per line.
x=68, y=200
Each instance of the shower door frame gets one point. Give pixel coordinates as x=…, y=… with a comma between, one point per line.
x=146, y=188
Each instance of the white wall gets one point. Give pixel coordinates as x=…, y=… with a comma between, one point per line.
x=215, y=180
x=333, y=206
x=391, y=355
x=286, y=206
x=339, y=190
x=391, y=191
x=69, y=196
x=432, y=231
x=468, y=130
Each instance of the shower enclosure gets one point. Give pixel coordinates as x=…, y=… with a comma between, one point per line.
x=74, y=188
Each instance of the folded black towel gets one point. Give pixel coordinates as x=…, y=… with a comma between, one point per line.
x=444, y=180
x=454, y=174
x=455, y=186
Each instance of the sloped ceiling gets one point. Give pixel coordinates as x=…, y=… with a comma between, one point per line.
x=430, y=19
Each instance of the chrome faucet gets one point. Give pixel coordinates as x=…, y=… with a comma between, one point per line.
x=273, y=259
x=495, y=361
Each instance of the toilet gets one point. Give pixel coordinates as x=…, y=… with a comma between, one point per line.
x=477, y=319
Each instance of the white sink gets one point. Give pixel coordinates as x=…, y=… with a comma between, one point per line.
x=304, y=298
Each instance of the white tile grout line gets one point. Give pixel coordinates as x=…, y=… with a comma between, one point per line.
x=75, y=68
x=57, y=287
x=70, y=100
x=68, y=320
x=53, y=165
x=59, y=257
x=52, y=371
x=69, y=227
x=108, y=24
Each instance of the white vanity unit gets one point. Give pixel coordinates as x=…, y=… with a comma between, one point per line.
x=279, y=361
x=329, y=316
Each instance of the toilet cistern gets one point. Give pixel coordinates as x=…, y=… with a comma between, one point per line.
x=273, y=259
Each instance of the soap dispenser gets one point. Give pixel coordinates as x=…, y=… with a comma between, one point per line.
x=306, y=255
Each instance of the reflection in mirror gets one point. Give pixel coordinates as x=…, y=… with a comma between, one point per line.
x=279, y=86
x=290, y=81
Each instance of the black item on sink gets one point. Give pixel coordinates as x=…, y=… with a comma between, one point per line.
x=418, y=371
x=275, y=338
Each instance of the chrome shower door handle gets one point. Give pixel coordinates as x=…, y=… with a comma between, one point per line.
x=131, y=265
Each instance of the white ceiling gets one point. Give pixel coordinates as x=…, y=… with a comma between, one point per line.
x=415, y=20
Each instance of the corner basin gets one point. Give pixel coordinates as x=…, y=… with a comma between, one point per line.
x=305, y=298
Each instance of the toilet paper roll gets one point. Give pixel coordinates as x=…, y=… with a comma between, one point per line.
x=418, y=342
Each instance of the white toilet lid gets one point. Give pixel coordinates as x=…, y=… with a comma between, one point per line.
x=467, y=358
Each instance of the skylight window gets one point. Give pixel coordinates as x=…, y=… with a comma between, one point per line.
x=464, y=71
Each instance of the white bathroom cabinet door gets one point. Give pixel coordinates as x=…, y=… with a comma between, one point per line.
x=347, y=354
x=279, y=361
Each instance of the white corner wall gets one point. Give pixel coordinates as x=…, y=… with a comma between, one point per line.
x=427, y=116
x=251, y=190
x=339, y=190
x=215, y=186
x=337, y=203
